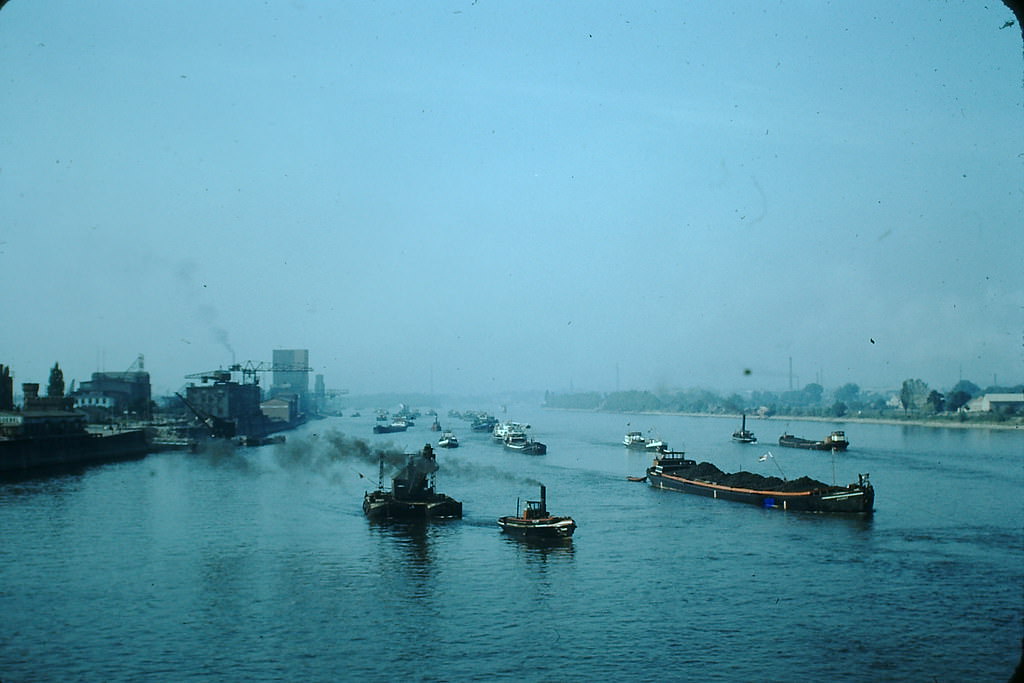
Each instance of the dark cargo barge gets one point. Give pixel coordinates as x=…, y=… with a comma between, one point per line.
x=31, y=453
x=836, y=441
x=803, y=494
x=412, y=496
x=47, y=433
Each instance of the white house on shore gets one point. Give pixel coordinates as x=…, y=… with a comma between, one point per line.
x=988, y=403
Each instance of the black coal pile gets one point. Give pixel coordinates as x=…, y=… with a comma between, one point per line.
x=706, y=471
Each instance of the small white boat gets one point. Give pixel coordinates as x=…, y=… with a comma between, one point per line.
x=503, y=429
x=637, y=441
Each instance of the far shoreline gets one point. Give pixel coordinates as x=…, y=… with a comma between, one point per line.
x=910, y=422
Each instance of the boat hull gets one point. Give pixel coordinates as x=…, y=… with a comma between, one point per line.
x=383, y=506
x=851, y=499
x=529, y=448
x=556, y=527
x=827, y=444
x=63, y=450
x=388, y=429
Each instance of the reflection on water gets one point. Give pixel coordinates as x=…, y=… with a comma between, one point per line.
x=406, y=556
x=541, y=546
x=539, y=553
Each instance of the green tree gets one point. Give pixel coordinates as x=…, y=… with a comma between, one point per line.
x=812, y=394
x=913, y=394
x=957, y=400
x=848, y=393
x=935, y=402
x=839, y=409
x=734, y=403
x=969, y=388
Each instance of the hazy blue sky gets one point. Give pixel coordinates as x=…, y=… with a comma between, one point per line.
x=481, y=195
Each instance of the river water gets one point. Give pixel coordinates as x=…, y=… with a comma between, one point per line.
x=258, y=565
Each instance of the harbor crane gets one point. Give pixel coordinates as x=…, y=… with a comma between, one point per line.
x=218, y=427
x=249, y=370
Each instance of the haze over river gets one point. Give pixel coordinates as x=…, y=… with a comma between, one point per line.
x=259, y=565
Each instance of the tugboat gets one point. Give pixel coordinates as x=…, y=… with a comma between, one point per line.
x=412, y=496
x=744, y=435
x=536, y=523
x=448, y=440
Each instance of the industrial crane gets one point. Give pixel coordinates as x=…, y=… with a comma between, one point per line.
x=249, y=369
x=219, y=427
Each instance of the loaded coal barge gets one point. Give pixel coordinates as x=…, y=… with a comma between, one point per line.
x=536, y=522
x=412, y=497
x=674, y=472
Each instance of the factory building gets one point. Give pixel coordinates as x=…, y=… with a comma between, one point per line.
x=111, y=395
x=290, y=379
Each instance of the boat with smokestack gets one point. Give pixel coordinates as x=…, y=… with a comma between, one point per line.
x=744, y=435
x=536, y=522
x=412, y=496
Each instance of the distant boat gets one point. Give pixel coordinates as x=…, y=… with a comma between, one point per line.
x=448, y=440
x=638, y=442
x=483, y=423
x=744, y=435
x=536, y=522
x=836, y=441
x=502, y=430
x=396, y=425
x=516, y=440
x=635, y=441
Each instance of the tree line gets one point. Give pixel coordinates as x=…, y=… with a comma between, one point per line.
x=915, y=398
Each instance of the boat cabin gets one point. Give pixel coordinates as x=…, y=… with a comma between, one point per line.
x=535, y=509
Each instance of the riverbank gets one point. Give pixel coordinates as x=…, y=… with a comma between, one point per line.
x=1015, y=424
x=1009, y=424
